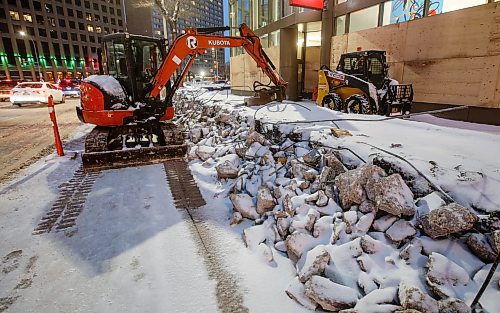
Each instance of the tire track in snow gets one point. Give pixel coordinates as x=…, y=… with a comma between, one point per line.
x=228, y=293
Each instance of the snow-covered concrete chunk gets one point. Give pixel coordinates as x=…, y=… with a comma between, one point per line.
x=205, y=152
x=412, y=297
x=265, y=200
x=243, y=203
x=400, y=231
x=444, y=276
x=351, y=183
x=298, y=243
x=478, y=243
x=297, y=291
x=315, y=263
x=329, y=295
x=392, y=195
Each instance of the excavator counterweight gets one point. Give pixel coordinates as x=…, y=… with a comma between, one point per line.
x=130, y=102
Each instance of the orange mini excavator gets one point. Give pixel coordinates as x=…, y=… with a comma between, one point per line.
x=130, y=101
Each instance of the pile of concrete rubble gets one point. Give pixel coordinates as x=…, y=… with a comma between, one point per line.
x=368, y=237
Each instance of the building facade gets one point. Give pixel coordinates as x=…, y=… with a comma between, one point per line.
x=55, y=39
x=199, y=13
x=451, y=42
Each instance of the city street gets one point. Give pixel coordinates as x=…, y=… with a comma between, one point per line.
x=26, y=133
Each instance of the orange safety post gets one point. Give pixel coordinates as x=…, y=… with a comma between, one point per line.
x=52, y=113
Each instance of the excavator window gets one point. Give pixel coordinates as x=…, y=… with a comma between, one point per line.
x=147, y=56
x=116, y=59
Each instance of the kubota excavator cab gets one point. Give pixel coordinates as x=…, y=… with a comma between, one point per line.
x=133, y=60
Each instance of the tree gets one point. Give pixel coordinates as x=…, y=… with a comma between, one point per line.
x=172, y=11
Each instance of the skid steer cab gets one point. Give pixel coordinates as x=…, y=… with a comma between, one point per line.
x=361, y=85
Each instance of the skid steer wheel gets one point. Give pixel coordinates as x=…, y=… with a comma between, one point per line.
x=333, y=101
x=358, y=104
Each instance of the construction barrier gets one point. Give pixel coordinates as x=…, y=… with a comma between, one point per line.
x=52, y=114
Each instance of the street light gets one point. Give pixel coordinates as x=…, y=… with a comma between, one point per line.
x=23, y=34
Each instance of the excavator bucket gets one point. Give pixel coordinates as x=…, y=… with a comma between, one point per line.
x=116, y=147
x=265, y=95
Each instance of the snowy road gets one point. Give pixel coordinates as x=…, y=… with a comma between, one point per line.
x=26, y=133
x=131, y=250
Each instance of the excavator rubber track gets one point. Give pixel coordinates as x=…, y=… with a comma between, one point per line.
x=99, y=152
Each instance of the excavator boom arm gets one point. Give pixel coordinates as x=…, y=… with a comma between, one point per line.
x=193, y=43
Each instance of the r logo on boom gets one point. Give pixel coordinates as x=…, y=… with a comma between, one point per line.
x=192, y=42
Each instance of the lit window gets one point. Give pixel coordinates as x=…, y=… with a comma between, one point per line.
x=27, y=17
x=386, y=19
x=90, y=28
x=98, y=29
x=88, y=17
x=340, y=25
x=14, y=15
x=452, y=5
x=363, y=19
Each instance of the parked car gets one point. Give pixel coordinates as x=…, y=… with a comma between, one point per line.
x=70, y=87
x=35, y=92
x=5, y=88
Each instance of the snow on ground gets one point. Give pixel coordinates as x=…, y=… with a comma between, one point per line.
x=131, y=251
x=395, y=261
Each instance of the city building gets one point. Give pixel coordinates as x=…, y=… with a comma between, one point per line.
x=148, y=21
x=448, y=49
x=55, y=39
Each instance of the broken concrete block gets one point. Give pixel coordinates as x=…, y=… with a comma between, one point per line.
x=392, y=195
x=322, y=199
x=400, y=231
x=227, y=170
x=312, y=158
x=448, y=219
x=333, y=162
x=298, y=243
x=329, y=295
x=383, y=223
x=327, y=175
x=495, y=240
x=310, y=175
x=370, y=245
x=265, y=200
x=254, y=235
x=413, y=298
x=195, y=134
x=243, y=203
x=351, y=183
x=236, y=218
x=453, y=305
x=254, y=136
x=445, y=276
x=315, y=263
x=205, y=152
x=367, y=206
x=311, y=217
x=479, y=245
x=297, y=291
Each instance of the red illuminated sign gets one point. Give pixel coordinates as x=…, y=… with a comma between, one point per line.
x=310, y=4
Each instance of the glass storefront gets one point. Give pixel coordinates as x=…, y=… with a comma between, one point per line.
x=397, y=11
x=363, y=19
